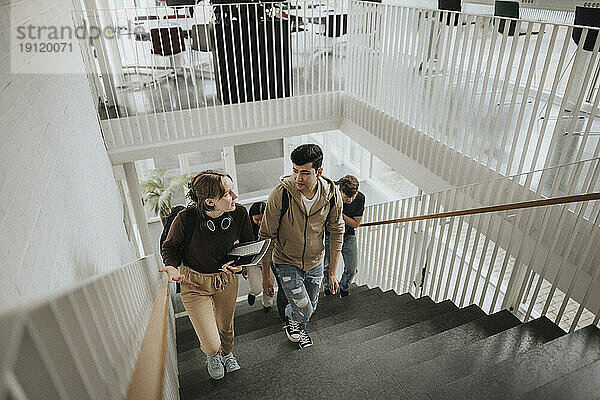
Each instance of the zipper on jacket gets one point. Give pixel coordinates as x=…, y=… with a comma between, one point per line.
x=304, y=248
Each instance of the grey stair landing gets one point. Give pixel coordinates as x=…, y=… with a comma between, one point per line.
x=387, y=346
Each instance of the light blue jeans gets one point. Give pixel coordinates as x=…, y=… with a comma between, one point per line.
x=350, y=255
x=301, y=288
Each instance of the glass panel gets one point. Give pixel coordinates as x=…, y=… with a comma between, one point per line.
x=259, y=167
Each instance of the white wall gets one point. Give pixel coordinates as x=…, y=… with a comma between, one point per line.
x=60, y=209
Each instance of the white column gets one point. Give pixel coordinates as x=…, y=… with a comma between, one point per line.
x=366, y=161
x=345, y=158
x=129, y=225
x=184, y=164
x=139, y=213
x=228, y=155
x=327, y=154
x=288, y=147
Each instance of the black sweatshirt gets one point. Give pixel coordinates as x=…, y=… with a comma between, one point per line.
x=207, y=250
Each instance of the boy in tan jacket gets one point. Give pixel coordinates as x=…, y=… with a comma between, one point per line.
x=298, y=211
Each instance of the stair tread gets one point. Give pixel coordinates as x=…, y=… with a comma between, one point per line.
x=429, y=327
x=345, y=310
x=581, y=384
x=325, y=332
x=334, y=365
x=256, y=318
x=455, y=338
x=358, y=383
x=322, y=318
x=242, y=307
x=258, y=322
x=517, y=375
x=395, y=322
x=456, y=364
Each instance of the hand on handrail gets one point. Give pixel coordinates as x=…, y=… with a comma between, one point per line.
x=172, y=273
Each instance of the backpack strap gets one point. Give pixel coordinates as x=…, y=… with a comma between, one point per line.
x=189, y=226
x=285, y=203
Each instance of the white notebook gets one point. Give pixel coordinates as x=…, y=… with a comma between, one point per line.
x=249, y=253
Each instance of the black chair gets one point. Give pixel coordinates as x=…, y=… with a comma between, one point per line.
x=508, y=9
x=199, y=34
x=200, y=42
x=336, y=25
x=450, y=5
x=586, y=16
x=167, y=41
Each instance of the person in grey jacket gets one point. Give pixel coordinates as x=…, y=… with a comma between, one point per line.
x=314, y=204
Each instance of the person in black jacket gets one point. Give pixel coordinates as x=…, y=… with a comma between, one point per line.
x=354, y=208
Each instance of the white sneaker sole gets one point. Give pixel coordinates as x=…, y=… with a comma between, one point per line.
x=291, y=338
x=217, y=377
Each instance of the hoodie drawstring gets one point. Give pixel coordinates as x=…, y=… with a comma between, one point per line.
x=218, y=282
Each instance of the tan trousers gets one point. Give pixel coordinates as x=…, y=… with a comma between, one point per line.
x=210, y=302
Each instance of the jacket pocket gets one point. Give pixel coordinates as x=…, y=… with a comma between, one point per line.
x=293, y=248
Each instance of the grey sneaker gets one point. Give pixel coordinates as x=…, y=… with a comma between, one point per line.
x=216, y=370
x=231, y=363
x=292, y=330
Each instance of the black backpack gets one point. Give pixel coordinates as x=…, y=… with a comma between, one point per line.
x=189, y=224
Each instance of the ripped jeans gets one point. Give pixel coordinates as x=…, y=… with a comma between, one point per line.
x=301, y=289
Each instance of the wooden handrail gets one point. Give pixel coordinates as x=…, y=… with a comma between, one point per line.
x=147, y=379
x=502, y=207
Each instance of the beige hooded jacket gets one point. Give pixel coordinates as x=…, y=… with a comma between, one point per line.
x=298, y=239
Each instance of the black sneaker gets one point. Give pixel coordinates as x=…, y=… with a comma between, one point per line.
x=344, y=293
x=292, y=330
x=305, y=340
x=251, y=299
x=267, y=309
x=327, y=292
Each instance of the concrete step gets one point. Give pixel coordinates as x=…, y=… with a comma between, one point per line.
x=453, y=365
x=525, y=372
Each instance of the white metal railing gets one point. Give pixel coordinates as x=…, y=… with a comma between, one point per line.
x=290, y=43
x=179, y=73
x=512, y=95
x=83, y=343
x=456, y=83
x=540, y=261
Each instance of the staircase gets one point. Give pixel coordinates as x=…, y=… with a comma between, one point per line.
x=380, y=345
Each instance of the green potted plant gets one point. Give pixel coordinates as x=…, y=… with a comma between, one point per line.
x=158, y=195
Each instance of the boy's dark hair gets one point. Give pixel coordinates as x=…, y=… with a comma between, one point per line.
x=348, y=185
x=308, y=153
